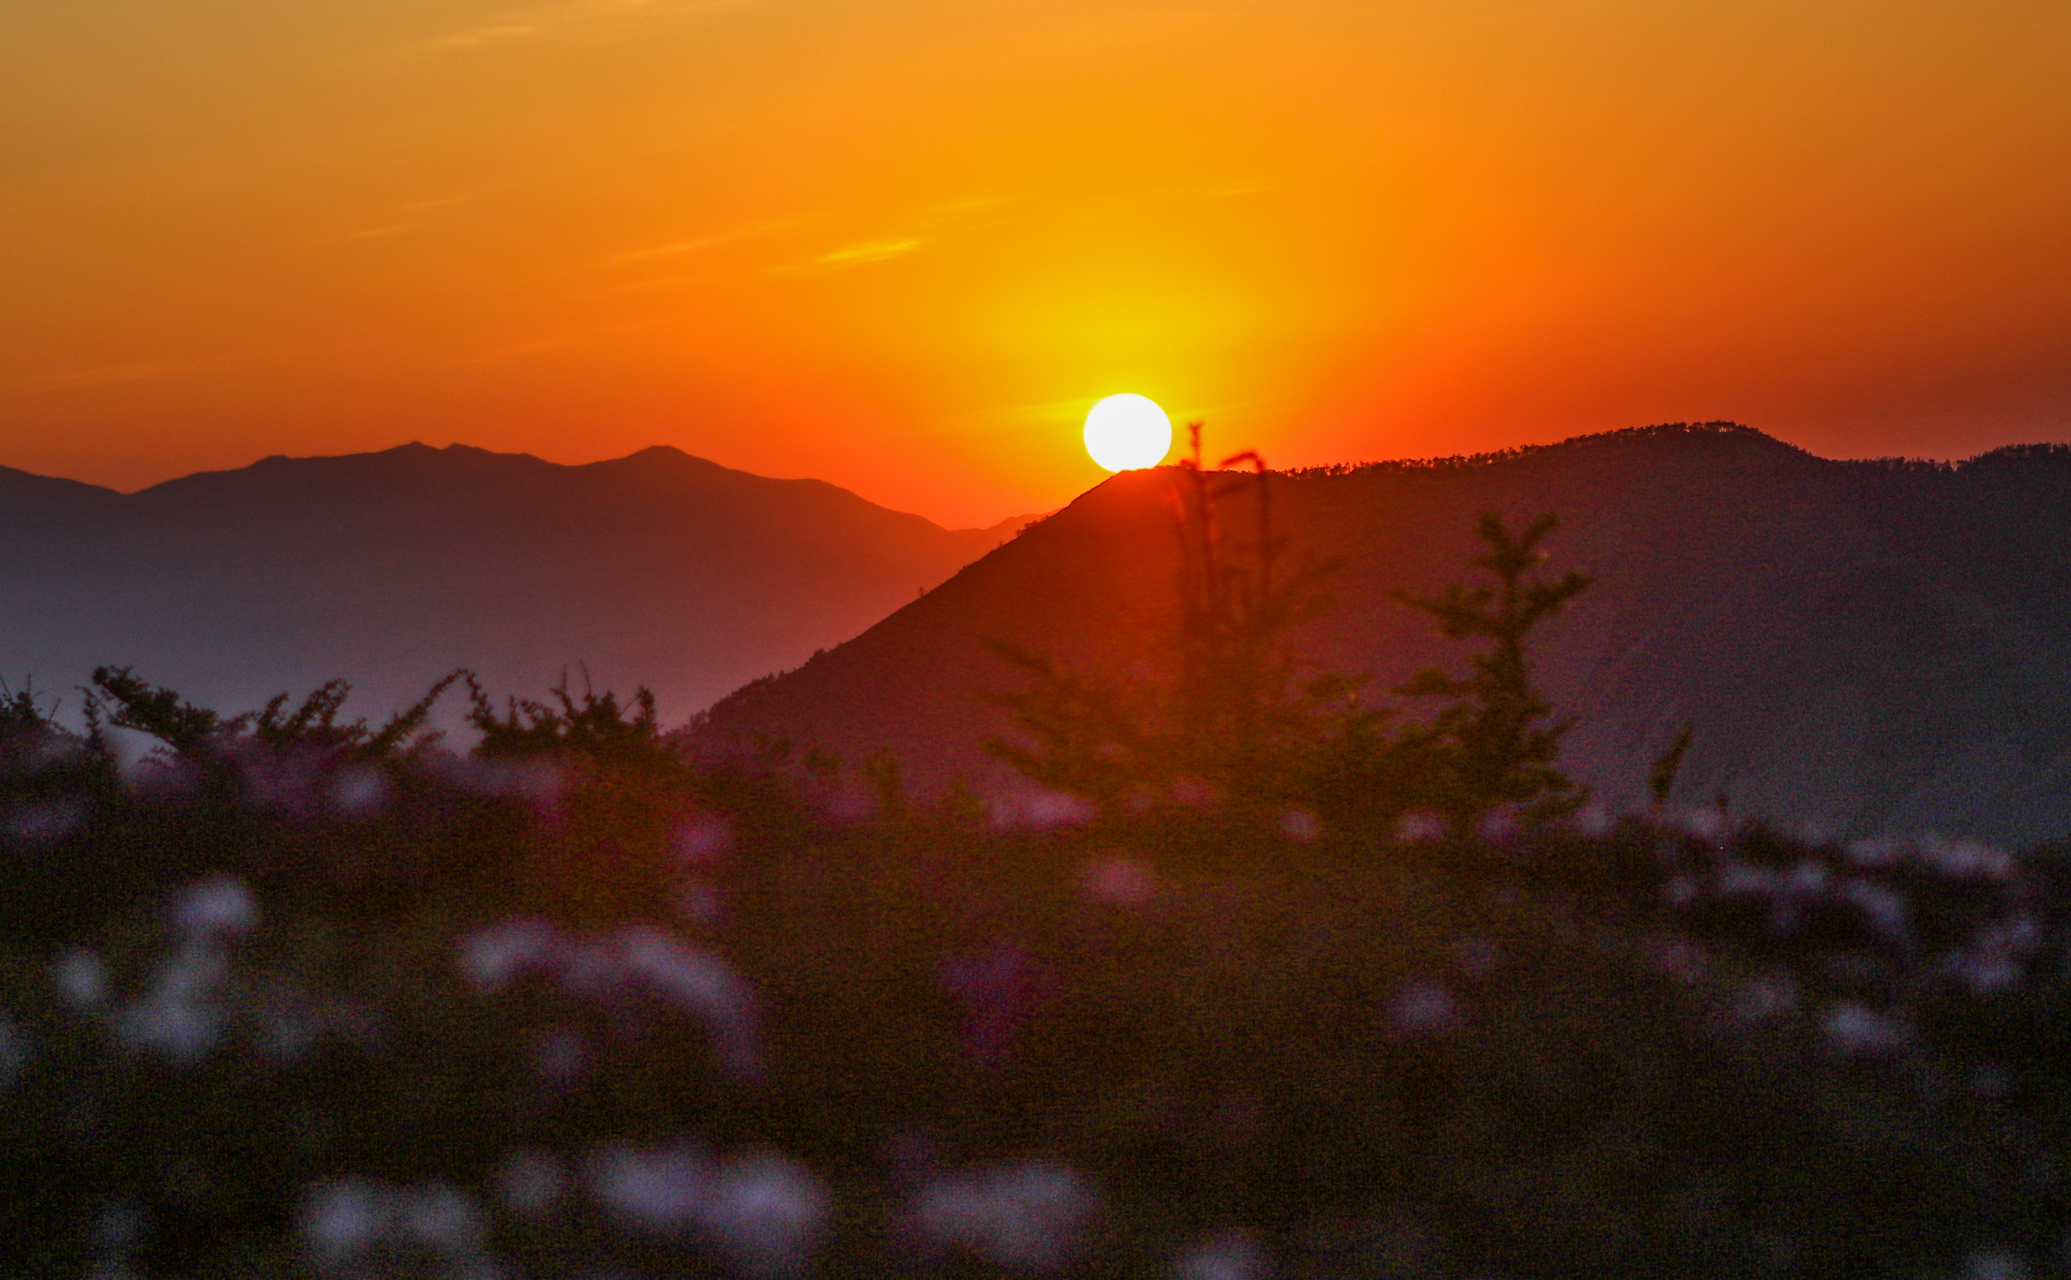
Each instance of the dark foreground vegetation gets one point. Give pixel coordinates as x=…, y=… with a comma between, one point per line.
x=296, y=996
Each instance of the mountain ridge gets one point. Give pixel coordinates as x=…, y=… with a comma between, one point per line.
x=392, y=567
x=1863, y=645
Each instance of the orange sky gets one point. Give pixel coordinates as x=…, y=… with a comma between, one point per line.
x=902, y=244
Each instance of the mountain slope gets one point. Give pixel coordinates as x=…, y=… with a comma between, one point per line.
x=1861, y=646
x=392, y=568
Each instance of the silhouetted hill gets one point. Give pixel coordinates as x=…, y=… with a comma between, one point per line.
x=392, y=568
x=1862, y=646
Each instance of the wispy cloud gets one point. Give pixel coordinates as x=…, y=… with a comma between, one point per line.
x=113, y=374
x=371, y=233
x=538, y=20
x=697, y=244
x=857, y=255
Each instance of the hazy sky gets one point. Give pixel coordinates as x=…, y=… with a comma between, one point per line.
x=902, y=244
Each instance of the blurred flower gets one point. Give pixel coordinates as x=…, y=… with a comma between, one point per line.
x=1301, y=824
x=43, y=823
x=80, y=978
x=342, y=1221
x=1765, y=998
x=1420, y=826
x=1226, y=1255
x=1705, y=822
x=1120, y=882
x=1856, y=1030
x=492, y=958
x=1885, y=908
x=1807, y=877
x=698, y=983
x=1500, y=824
x=766, y=1212
x=1965, y=859
x=359, y=792
x=1743, y=879
x=181, y=1016
x=1039, y=810
x=658, y=1189
x=1424, y=1007
x=1592, y=820
x=702, y=839
x=1031, y=1216
x=1995, y=1263
x=339, y=1219
x=217, y=905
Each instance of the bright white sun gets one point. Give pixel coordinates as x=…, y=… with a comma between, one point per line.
x=1128, y=431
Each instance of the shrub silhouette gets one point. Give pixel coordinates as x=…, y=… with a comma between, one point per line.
x=1493, y=743
x=1228, y=719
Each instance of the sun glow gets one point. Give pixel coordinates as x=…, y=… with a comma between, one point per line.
x=1128, y=431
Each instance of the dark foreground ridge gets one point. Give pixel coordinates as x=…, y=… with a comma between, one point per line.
x=1861, y=647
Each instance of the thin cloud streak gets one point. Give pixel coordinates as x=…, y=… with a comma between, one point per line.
x=698, y=244
x=869, y=251
x=115, y=374
x=524, y=24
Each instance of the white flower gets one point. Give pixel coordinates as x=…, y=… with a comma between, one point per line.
x=217, y=905
x=1995, y=1264
x=181, y=1017
x=702, y=839
x=1417, y=827
x=79, y=977
x=1809, y=876
x=660, y=1189
x=1120, y=882
x=339, y=1219
x=697, y=983
x=46, y=823
x=1226, y=1255
x=1965, y=859
x=1859, y=1031
x=342, y=1220
x=360, y=792
x=1037, y=809
x=1886, y=909
x=1765, y=998
x=1301, y=824
x=494, y=957
x=766, y=1212
x=1027, y=1217
x=1424, y=1007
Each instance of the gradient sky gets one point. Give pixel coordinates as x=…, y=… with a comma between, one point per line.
x=903, y=244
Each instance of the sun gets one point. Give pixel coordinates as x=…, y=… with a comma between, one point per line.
x=1128, y=431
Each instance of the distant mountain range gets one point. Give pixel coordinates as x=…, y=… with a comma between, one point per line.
x=392, y=568
x=1862, y=647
